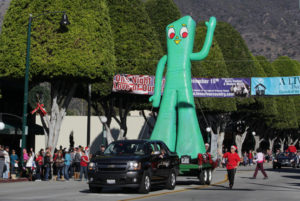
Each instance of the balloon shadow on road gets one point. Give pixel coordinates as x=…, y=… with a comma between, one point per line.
x=111, y=190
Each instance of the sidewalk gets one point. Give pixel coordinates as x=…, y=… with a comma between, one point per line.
x=13, y=180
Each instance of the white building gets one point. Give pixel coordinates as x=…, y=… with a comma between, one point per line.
x=77, y=125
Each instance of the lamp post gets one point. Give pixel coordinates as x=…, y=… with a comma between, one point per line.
x=253, y=139
x=208, y=130
x=103, y=120
x=64, y=21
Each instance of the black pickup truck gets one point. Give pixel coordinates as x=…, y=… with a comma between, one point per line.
x=134, y=163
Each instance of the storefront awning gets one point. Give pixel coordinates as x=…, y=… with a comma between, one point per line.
x=10, y=129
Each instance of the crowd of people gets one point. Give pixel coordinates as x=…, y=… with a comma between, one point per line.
x=63, y=164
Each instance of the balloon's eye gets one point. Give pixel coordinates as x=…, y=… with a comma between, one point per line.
x=184, y=32
x=171, y=33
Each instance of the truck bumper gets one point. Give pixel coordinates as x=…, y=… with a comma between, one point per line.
x=105, y=179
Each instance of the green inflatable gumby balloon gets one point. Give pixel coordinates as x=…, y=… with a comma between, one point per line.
x=183, y=136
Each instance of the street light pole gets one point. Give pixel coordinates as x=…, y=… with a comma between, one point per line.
x=24, y=121
x=63, y=22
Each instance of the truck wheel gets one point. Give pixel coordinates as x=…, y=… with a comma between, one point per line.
x=171, y=182
x=202, y=177
x=94, y=189
x=208, y=177
x=279, y=166
x=274, y=166
x=145, y=185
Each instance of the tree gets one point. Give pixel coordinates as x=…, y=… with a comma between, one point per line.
x=82, y=52
x=137, y=51
x=216, y=109
x=162, y=13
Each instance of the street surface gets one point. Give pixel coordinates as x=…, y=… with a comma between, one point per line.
x=281, y=185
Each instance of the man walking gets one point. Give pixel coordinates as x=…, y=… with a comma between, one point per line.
x=2, y=161
x=260, y=164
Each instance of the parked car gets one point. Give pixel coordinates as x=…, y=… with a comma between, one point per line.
x=283, y=159
x=134, y=163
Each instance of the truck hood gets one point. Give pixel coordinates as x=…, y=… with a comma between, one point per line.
x=117, y=158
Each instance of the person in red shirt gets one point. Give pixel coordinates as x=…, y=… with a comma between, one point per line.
x=250, y=156
x=83, y=165
x=39, y=164
x=233, y=161
x=292, y=149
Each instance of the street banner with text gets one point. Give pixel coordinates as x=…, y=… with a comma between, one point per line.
x=264, y=86
x=202, y=87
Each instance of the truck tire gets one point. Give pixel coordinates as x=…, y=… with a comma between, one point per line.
x=208, y=177
x=202, y=177
x=94, y=189
x=145, y=185
x=171, y=182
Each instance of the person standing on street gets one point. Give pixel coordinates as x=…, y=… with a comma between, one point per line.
x=2, y=161
x=68, y=160
x=260, y=164
x=59, y=162
x=14, y=160
x=47, y=165
x=77, y=160
x=6, y=174
x=233, y=161
x=83, y=166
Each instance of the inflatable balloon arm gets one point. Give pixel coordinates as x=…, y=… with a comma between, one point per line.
x=155, y=99
x=211, y=25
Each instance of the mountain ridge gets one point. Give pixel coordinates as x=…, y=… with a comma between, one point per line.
x=270, y=28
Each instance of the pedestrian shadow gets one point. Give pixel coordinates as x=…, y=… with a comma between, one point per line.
x=292, y=177
x=276, y=186
x=294, y=184
x=282, y=170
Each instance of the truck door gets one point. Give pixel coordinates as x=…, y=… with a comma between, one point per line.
x=155, y=160
x=164, y=165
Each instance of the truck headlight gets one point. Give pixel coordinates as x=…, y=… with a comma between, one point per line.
x=133, y=165
x=292, y=160
x=92, y=166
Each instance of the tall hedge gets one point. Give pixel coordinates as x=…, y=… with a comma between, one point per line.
x=137, y=47
x=285, y=66
x=82, y=51
x=213, y=66
x=162, y=13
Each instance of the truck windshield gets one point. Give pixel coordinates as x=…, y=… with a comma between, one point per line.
x=128, y=148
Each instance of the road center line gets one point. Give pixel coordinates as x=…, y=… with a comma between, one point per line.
x=176, y=191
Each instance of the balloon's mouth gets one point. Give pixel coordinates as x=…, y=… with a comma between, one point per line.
x=177, y=41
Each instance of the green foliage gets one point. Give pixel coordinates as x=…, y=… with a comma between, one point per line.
x=136, y=45
x=266, y=107
x=213, y=66
x=82, y=51
x=286, y=117
x=237, y=56
x=288, y=67
x=39, y=94
x=162, y=13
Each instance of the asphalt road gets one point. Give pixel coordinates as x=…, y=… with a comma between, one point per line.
x=281, y=185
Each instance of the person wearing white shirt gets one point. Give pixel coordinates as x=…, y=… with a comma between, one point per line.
x=7, y=163
x=260, y=164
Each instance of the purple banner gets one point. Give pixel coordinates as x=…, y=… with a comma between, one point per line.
x=202, y=87
x=221, y=87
